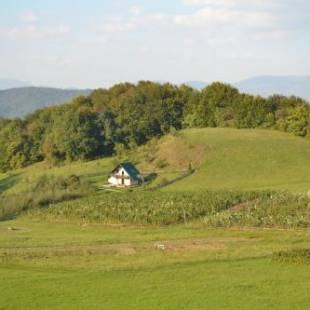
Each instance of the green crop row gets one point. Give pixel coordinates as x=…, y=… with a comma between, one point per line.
x=146, y=207
x=283, y=210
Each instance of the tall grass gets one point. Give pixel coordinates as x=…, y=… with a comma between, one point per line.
x=46, y=190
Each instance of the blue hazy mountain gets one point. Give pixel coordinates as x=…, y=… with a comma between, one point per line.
x=196, y=84
x=282, y=85
x=18, y=102
x=269, y=85
x=11, y=83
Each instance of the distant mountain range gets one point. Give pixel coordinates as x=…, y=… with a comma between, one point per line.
x=196, y=84
x=18, y=102
x=282, y=85
x=269, y=85
x=11, y=83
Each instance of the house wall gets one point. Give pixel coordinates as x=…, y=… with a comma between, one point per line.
x=118, y=182
x=128, y=182
x=113, y=181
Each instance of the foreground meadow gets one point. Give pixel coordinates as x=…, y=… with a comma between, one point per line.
x=79, y=266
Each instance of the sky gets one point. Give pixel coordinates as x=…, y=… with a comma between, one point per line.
x=97, y=43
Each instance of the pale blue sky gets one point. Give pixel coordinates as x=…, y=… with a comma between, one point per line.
x=96, y=43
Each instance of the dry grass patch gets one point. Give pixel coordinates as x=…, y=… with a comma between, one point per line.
x=39, y=253
x=172, y=152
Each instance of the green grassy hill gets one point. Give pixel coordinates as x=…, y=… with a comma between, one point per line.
x=248, y=160
x=19, y=180
x=223, y=158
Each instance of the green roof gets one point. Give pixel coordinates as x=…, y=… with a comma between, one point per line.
x=130, y=168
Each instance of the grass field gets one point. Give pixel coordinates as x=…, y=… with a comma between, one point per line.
x=96, y=267
x=95, y=171
x=249, y=160
x=72, y=256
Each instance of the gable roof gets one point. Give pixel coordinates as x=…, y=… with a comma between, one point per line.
x=130, y=169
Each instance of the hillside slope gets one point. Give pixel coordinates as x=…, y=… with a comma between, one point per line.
x=248, y=160
x=18, y=102
x=223, y=159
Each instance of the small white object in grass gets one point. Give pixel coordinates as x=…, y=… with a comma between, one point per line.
x=161, y=247
x=12, y=228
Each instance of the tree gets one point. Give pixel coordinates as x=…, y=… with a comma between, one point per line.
x=14, y=146
x=82, y=139
x=297, y=121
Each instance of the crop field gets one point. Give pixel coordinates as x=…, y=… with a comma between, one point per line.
x=145, y=207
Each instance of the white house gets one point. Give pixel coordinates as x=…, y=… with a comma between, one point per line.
x=125, y=174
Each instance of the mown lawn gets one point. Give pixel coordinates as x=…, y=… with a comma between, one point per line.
x=70, y=266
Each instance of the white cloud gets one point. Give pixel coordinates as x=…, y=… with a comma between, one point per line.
x=136, y=10
x=34, y=32
x=227, y=3
x=28, y=17
x=272, y=35
x=125, y=23
x=242, y=56
x=207, y=16
x=118, y=24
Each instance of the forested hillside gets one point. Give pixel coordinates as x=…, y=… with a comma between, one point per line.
x=112, y=120
x=18, y=102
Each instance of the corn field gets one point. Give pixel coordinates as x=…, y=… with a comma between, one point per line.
x=145, y=207
x=283, y=210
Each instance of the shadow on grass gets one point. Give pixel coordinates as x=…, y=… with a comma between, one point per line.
x=150, y=177
x=165, y=183
x=8, y=182
x=9, y=217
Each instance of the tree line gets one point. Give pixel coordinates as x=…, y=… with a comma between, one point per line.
x=128, y=115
